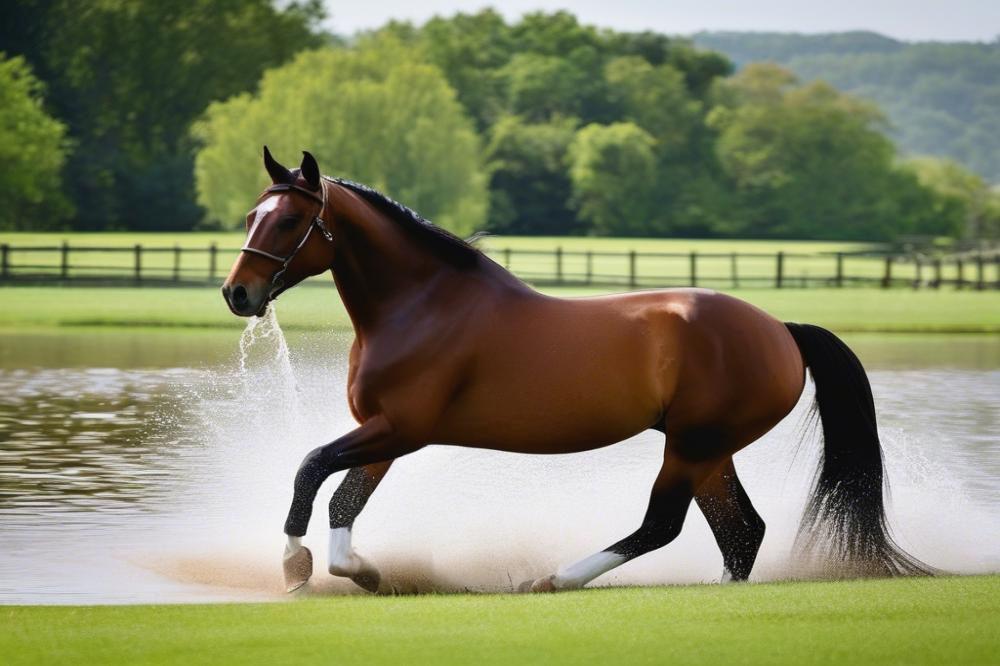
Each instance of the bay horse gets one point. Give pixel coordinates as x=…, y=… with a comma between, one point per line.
x=451, y=348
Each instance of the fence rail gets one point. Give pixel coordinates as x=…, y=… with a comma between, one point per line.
x=159, y=265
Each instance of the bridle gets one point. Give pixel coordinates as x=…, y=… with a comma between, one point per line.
x=277, y=281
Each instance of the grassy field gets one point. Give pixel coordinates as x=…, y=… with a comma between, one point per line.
x=318, y=307
x=907, y=621
x=530, y=257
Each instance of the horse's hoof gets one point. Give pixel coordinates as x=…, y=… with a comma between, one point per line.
x=367, y=579
x=546, y=584
x=298, y=568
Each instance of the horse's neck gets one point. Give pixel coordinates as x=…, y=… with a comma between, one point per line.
x=378, y=269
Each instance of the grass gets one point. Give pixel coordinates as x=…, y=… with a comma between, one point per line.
x=901, y=621
x=317, y=306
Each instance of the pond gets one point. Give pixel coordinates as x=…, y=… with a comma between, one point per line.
x=155, y=466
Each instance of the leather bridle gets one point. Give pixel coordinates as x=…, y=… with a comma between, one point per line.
x=277, y=281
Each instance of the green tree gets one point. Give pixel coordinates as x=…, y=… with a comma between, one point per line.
x=375, y=114
x=32, y=152
x=807, y=161
x=128, y=78
x=613, y=171
x=962, y=196
x=529, y=177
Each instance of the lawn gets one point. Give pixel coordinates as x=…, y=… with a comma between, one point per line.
x=902, y=621
x=316, y=305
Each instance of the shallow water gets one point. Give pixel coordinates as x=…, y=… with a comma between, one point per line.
x=148, y=467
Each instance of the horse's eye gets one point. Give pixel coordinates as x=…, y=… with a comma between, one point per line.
x=287, y=223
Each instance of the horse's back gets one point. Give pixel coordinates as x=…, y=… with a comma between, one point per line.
x=557, y=375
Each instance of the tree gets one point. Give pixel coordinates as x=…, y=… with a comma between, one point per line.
x=374, y=114
x=962, y=196
x=32, y=151
x=128, y=78
x=807, y=161
x=613, y=171
x=529, y=180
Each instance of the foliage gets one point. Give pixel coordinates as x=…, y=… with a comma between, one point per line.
x=374, y=113
x=963, y=196
x=470, y=119
x=128, y=78
x=941, y=98
x=808, y=160
x=613, y=170
x=32, y=151
x=529, y=180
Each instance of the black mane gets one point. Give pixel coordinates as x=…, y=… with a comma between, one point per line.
x=442, y=243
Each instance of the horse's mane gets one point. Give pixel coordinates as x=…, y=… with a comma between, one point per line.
x=442, y=243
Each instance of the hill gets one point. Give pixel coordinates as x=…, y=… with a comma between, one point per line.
x=941, y=98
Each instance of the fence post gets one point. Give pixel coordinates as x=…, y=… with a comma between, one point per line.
x=212, y=252
x=631, y=268
x=937, y=273
x=177, y=263
x=839, y=280
x=918, y=280
x=960, y=279
x=506, y=258
x=137, y=250
x=996, y=260
x=980, y=272
x=694, y=268
x=64, y=260
x=887, y=277
x=5, y=261
x=559, y=268
x=779, y=274
x=590, y=266
x=733, y=272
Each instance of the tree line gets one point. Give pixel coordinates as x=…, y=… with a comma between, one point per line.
x=941, y=98
x=152, y=116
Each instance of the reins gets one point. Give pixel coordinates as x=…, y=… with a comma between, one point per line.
x=277, y=283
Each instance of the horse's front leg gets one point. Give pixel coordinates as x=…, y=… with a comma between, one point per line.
x=372, y=442
x=346, y=504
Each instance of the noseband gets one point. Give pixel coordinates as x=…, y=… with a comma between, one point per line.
x=277, y=281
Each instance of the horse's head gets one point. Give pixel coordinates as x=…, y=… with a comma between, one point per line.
x=287, y=241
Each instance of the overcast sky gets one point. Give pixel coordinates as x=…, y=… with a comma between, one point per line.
x=949, y=20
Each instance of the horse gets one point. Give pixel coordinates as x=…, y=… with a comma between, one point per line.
x=451, y=348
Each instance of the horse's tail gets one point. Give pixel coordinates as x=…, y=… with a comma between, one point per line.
x=844, y=519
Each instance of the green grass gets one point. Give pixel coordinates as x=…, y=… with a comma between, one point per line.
x=903, y=621
x=319, y=307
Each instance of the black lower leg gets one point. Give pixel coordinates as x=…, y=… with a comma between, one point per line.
x=661, y=525
x=317, y=466
x=738, y=528
x=350, y=497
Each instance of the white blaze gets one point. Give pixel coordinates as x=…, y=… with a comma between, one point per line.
x=265, y=207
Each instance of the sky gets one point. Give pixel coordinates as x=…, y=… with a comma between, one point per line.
x=913, y=20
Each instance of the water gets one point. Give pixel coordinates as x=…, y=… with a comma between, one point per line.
x=156, y=467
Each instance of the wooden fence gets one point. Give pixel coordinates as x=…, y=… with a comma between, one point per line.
x=193, y=265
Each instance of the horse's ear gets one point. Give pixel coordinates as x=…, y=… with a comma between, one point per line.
x=309, y=169
x=279, y=174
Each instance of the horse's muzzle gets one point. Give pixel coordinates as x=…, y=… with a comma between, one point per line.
x=244, y=301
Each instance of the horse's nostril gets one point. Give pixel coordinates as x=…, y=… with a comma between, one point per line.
x=239, y=295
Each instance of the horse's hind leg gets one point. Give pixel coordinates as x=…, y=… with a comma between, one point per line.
x=345, y=506
x=738, y=528
x=668, y=504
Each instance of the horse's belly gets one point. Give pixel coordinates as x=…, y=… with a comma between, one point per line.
x=539, y=415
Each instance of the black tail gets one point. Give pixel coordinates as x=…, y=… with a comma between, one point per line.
x=845, y=519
